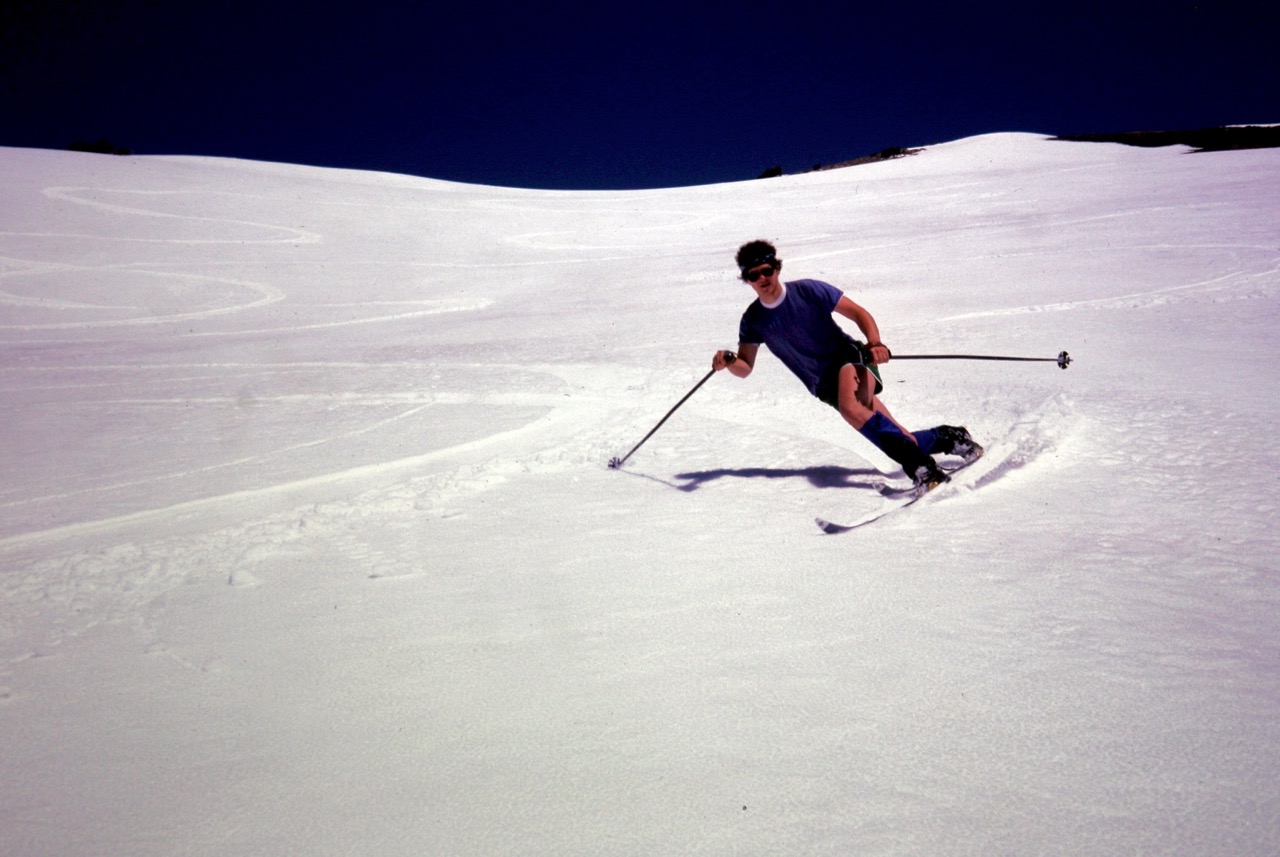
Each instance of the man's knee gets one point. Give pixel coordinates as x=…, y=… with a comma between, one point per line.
x=854, y=412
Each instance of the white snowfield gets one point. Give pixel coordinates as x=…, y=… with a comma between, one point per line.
x=308, y=545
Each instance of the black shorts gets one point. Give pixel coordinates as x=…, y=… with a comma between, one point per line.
x=829, y=385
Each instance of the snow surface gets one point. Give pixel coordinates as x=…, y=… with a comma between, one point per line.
x=308, y=544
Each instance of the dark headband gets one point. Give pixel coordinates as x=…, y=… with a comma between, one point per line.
x=755, y=260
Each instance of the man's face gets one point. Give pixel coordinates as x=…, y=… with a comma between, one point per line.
x=765, y=280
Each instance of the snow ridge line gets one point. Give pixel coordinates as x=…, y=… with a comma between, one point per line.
x=239, y=499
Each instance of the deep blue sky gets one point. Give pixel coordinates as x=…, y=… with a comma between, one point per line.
x=619, y=94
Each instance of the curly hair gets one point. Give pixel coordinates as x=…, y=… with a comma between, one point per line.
x=755, y=253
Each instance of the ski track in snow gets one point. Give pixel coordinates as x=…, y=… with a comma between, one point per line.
x=135, y=567
x=1230, y=284
x=266, y=295
x=558, y=416
x=114, y=583
x=82, y=196
x=28, y=269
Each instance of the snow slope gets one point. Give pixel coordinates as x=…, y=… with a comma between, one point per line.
x=308, y=545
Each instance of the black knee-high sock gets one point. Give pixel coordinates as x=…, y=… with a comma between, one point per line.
x=881, y=431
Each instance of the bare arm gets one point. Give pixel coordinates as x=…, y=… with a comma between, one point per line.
x=859, y=316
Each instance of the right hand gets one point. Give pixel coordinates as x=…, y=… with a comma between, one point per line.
x=878, y=352
x=722, y=359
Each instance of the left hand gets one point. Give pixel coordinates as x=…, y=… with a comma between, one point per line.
x=879, y=352
x=722, y=360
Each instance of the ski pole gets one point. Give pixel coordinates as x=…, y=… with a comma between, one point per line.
x=615, y=463
x=1063, y=360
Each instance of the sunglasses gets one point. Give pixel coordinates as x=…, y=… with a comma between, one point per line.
x=752, y=276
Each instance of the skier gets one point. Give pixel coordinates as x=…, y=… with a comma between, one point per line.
x=795, y=320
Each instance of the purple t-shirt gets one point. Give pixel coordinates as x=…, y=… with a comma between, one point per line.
x=800, y=331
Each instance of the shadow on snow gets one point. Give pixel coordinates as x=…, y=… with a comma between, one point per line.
x=827, y=476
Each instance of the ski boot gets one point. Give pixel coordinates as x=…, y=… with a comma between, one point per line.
x=926, y=476
x=956, y=440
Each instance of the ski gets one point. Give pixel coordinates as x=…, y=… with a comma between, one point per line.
x=909, y=498
x=1030, y=437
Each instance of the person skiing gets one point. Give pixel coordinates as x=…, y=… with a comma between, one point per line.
x=795, y=319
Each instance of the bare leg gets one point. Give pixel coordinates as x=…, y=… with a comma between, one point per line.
x=855, y=411
x=877, y=426
x=858, y=400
